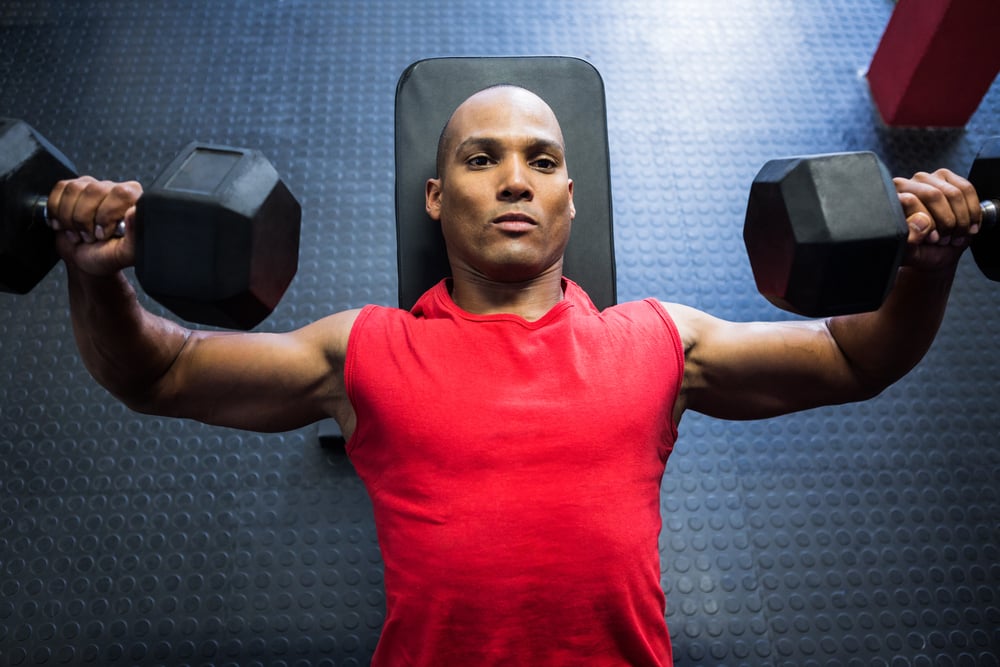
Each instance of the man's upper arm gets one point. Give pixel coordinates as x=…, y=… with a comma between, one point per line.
x=258, y=381
x=760, y=369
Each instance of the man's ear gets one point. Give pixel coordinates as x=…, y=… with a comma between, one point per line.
x=432, y=198
x=572, y=206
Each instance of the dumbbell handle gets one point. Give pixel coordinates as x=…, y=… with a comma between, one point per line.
x=991, y=213
x=40, y=213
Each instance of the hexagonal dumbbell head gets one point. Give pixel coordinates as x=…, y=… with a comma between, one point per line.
x=29, y=168
x=985, y=177
x=217, y=236
x=825, y=234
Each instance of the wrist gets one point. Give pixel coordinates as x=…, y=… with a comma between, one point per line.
x=944, y=272
x=929, y=283
x=104, y=292
x=82, y=276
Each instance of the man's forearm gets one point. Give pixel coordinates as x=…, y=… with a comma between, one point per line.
x=882, y=346
x=126, y=348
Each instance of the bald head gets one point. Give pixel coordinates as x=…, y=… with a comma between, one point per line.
x=493, y=101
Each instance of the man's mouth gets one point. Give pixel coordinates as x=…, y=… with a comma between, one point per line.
x=515, y=222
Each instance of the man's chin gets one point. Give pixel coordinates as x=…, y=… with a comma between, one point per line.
x=520, y=271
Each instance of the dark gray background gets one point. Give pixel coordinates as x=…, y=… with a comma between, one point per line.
x=858, y=535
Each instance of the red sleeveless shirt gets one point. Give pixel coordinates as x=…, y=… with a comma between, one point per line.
x=514, y=468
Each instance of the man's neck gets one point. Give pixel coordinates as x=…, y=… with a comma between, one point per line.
x=530, y=300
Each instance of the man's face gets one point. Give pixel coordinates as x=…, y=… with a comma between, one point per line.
x=504, y=198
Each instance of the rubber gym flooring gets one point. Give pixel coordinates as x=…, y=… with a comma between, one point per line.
x=866, y=534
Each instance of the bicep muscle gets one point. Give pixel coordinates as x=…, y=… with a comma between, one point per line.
x=257, y=381
x=761, y=369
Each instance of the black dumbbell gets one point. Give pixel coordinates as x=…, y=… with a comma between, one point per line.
x=217, y=232
x=826, y=234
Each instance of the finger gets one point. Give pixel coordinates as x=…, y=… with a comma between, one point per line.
x=52, y=205
x=933, y=200
x=62, y=201
x=118, y=201
x=930, y=189
x=80, y=207
x=970, y=196
x=95, y=202
x=945, y=201
x=126, y=248
x=85, y=212
x=129, y=219
x=919, y=221
x=921, y=229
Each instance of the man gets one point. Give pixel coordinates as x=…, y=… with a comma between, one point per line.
x=511, y=437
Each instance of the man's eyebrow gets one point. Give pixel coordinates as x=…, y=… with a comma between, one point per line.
x=491, y=144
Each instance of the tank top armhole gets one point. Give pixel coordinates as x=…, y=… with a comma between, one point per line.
x=678, y=345
x=351, y=371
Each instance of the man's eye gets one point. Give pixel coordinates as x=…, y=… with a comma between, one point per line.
x=545, y=163
x=478, y=161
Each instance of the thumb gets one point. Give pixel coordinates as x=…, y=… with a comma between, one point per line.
x=129, y=220
x=126, y=245
x=921, y=225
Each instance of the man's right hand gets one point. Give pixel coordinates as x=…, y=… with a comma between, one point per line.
x=85, y=212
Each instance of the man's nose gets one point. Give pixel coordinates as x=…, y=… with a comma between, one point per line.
x=516, y=183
